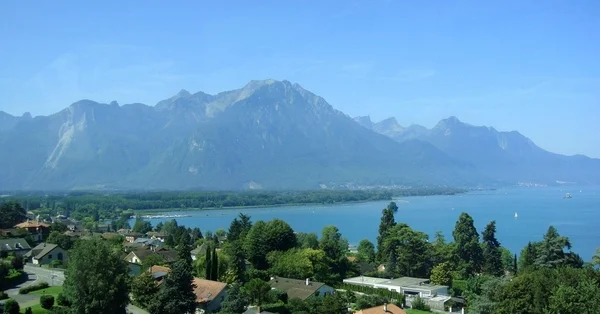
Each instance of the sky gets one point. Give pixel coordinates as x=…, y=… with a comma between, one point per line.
x=531, y=66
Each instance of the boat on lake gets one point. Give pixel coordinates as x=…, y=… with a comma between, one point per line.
x=568, y=195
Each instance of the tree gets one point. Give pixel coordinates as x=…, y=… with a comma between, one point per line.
x=257, y=291
x=298, y=264
x=307, y=240
x=196, y=234
x=239, y=227
x=159, y=227
x=214, y=272
x=236, y=300
x=441, y=250
x=583, y=298
x=17, y=263
x=184, y=248
x=208, y=264
x=60, y=239
x=515, y=267
x=492, y=255
x=528, y=257
x=47, y=301
x=235, y=251
x=144, y=289
x=28, y=311
x=96, y=279
x=255, y=245
x=152, y=260
x=12, y=213
x=366, y=251
x=332, y=243
x=177, y=296
x=387, y=222
x=411, y=250
x=142, y=226
x=280, y=236
x=467, y=245
x=11, y=307
x=58, y=226
x=551, y=253
x=441, y=274
x=391, y=267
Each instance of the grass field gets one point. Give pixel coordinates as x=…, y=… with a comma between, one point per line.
x=37, y=309
x=50, y=291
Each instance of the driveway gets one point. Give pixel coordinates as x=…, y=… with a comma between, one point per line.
x=53, y=277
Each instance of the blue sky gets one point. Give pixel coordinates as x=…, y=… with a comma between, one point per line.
x=532, y=66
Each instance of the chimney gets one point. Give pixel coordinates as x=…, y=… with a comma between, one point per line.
x=384, y=307
x=307, y=281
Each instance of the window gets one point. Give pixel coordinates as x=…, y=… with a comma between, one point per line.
x=60, y=256
x=50, y=256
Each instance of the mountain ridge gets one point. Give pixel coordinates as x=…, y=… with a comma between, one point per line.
x=269, y=134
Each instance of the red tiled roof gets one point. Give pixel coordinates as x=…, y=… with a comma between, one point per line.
x=207, y=290
x=391, y=309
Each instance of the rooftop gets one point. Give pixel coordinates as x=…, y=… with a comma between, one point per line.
x=207, y=290
x=32, y=224
x=14, y=244
x=296, y=288
x=41, y=250
x=366, y=280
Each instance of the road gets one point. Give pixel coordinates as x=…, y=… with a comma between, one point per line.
x=53, y=277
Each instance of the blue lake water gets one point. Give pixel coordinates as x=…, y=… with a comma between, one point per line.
x=537, y=208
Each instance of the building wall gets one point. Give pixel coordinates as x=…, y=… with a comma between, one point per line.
x=57, y=254
x=215, y=305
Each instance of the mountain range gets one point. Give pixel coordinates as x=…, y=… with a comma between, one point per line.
x=267, y=135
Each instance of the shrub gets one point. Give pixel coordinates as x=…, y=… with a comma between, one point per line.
x=47, y=301
x=62, y=300
x=3, y=295
x=35, y=287
x=28, y=311
x=17, y=263
x=419, y=304
x=11, y=307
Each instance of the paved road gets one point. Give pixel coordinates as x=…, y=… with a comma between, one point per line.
x=53, y=277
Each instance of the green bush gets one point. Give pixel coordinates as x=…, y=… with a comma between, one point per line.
x=11, y=307
x=28, y=311
x=3, y=295
x=62, y=300
x=38, y=286
x=419, y=304
x=47, y=301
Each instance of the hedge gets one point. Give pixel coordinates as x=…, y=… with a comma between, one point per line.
x=38, y=286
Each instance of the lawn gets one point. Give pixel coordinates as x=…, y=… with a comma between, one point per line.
x=37, y=309
x=50, y=290
x=411, y=311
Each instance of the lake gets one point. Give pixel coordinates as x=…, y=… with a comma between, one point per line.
x=537, y=208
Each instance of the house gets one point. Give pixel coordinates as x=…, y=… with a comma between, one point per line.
x=109, y=235
x=132, y=236
x=209, y=295
x=434, y=295
x=46, y=253
x=160, y=236
x=17, y=246
x=149, y=242
x=123, y=231
x=138, y=256
x=37, y=229
x=159, y=272
x=300, y=289
x=386, y=308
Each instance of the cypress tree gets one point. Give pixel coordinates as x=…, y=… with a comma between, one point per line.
x=207, y=265
x=515, y=265
x=387, y=223
x=492, y=256
x=214, y=275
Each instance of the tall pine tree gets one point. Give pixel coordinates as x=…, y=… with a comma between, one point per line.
x=492, y=256
x=177, y=296
x=468, y=249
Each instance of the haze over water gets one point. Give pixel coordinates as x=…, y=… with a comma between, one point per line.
x=537, y=208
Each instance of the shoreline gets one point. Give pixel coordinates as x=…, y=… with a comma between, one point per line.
x=165, y=210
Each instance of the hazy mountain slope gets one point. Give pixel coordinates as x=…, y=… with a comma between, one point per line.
x=505, y=156
x=268, y=134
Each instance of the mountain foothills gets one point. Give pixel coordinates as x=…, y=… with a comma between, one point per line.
x=266, y=135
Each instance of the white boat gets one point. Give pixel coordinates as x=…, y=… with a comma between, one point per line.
x=568, y=195
x=516, y=215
